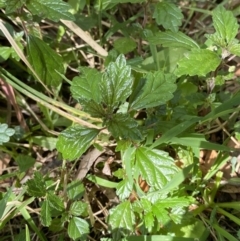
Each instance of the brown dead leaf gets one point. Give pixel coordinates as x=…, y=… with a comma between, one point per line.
x=207, y=159
x=87, y=162
x=4, y=161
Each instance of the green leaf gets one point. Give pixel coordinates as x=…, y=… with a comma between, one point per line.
x=234, y=49
x=124, y=45
x=124, y=189
x=116, y=83
x=48, y=143
x=168, y=15
x=173, y=39
x=3, y=202
x=51, y=9
x=75, y=190
x=121, y=219
x=5, y=53
x=225, y=24
x=55, y=202
x=25, y=162
x=155, y=166
x=75, y=140
x=122, y=125
x=157, y=89
x=198, y=62
x=45, y=214
x=94, y=109
x=5, y=133
x=14, y=5
x=78, y=208
x=45, y=61
x=86, y=86
x=36, y=185
x=78, y=228
x=172, y=202
x=161, y=214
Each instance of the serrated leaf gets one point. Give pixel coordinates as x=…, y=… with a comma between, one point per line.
x=116, y=83
x=173, y=39
x=78, y=228
x=45, y=214
x=168, y=15
x=225, y=24
x=157, y=90
x=124, y=45
x=121, y=220
x=5, y=133
x=94, y=109
x=48, y=143
x=122, y=125
x=234, y=49
x=86, y=86
x=5, y=53
x=161, y=214
x=24, y=162
x=55, y=202
x=45, y=61
x=149, y=221
x=75, y=140
x=36, y=185
x=51, y=9
x=198, y=62
x=75, y=190
x=78, y=208
x=13, y=5
x=172, y=202
x=124, y=189
x=154, y=166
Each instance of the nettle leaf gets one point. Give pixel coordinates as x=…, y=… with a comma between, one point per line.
x=122, y=125
x=75, y=140
x=155, y=166
x=157, y=90
x=116, y=83
x=172, y=202
x=234, y=49
x=94, y=109
x=86, y=86
x=173, y=39
x=198, y=62
x=121, y=219
x=45, y=214
x=225, y=24
x=168, y=15
x=124, y=45
x=55, y=202
x=13, y=5
x=51, y=9
x=5, y=133
x=36, y=186
x=75, y=190
x=25, y=162
x=161, y=214
x=45, y=61
x=124, y=189
x=78, y=208
x=78, y=228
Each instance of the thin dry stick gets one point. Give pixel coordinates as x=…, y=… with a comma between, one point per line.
x=223, y=124
x=9, y=92
x=225, y=130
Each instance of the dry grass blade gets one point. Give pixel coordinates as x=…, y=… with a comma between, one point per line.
x=86, y=37
x=20, y=53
